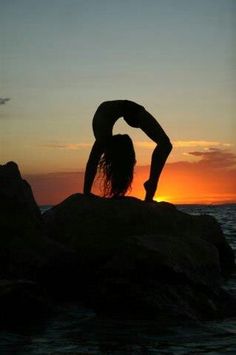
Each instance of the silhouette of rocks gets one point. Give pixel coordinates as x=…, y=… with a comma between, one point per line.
x=21, y=301
x=14, y=192
x=25, y=251
x=24, y=246
x=144, y=257
x=116, y=255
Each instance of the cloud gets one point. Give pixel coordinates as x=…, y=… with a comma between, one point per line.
x=210, y=179
x=215, y=158
x=185, y=144
x=68, y=146
x=54, y=187
x=143, y=145
x=204, y=144
x=3, y=100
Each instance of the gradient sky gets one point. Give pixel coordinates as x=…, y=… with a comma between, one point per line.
x=60, y=58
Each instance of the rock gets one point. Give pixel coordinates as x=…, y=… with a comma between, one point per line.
x=14, y=189
x=25, y=250
x=211, y=231
x=116, y=255
x=142, y=257
x=21, y=301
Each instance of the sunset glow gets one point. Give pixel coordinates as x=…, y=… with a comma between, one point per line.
x=61, y=59
x=208, y=180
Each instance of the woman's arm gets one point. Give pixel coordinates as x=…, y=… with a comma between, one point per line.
x=160, y=154
x=91, y=167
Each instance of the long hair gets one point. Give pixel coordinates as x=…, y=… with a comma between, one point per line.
x=117, y=165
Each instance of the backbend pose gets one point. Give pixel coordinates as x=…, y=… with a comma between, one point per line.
x=114, y=155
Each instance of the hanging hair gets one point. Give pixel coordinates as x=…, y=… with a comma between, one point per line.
x=117, y=165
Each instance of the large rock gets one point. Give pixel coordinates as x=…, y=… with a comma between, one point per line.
x=25, y=250
x=21, y=301
x=114, y=254
x=143, y=257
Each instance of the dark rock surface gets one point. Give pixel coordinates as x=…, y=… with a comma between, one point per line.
x=25, y=251
x=115, y=255
x=24, y=246
x=21, y=301
x=143, y=257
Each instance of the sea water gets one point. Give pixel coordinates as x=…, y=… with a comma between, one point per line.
x=80, y=331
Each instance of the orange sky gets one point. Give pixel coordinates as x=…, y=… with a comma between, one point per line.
x=211, y=179
x=61, y=59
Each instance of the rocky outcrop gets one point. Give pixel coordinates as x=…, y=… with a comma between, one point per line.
x=14, y=190
x=116, y=255
x=22, y=301
x=143, y=257
x=25, y=251
x=24, y=246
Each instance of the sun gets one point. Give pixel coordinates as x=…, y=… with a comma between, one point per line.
x=162, y=198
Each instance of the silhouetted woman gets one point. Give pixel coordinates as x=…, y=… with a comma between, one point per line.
x=114, y=155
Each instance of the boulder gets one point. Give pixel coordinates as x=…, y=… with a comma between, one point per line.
x=13, y=190
x=22, y=301
x=25, y=250
x=116, y=255
x=143, y=257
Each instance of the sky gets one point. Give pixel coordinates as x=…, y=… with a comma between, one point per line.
x=60, y=59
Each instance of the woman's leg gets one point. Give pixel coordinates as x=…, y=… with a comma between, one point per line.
x=159, y=157
x=160, y=154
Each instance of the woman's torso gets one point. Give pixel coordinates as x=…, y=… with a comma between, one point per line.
x=109, y=112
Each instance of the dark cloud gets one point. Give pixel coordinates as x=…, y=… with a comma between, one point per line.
x=3, y=100
x=53, y=188
x=215, y=158
x=68, y=146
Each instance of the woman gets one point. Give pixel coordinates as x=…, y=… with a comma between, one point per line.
x=114, y=154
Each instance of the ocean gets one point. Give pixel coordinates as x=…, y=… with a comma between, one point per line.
x=80, y=331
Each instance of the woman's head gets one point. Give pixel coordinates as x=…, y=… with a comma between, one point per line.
x=117, y=165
